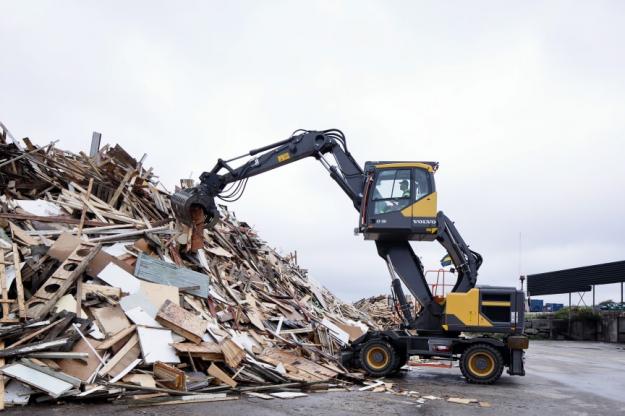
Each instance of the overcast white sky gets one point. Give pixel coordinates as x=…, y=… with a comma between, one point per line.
x=522, y=103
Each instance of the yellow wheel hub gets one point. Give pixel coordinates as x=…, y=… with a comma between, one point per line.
x=481, y=364
x=377, y=358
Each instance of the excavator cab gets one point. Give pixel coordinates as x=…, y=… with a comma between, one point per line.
x=399, y=201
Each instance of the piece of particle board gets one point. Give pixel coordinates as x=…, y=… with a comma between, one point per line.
x=110, y=319
x=181, y=321
x=157, y=294
x=79, y=368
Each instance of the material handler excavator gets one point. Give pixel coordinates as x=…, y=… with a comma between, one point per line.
x=396, y=201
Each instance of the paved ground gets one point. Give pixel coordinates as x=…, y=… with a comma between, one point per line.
x=563, y=378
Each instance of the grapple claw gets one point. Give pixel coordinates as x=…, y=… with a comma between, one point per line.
x=195, y=207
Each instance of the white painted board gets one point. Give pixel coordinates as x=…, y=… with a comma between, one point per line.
x=51, y=385
x=118, y=277
x=156, y=345
x=337, y=332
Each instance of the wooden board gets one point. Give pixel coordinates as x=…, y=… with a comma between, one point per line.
x=110, y=342
x=181, y=321
x=156, y=345
x=170, y=376
x=18, y=282
x=61, y=280
x=1, y=376
x=6, y=302
x=102, y=290
x=205, y=350
x=111, y=319
x=220, y=375
x=79, y=368
x=233, y=354
x=298, y=368
x=124, y=357
x=157, y=294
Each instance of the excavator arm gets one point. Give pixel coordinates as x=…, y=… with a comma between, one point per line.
x=215, y=183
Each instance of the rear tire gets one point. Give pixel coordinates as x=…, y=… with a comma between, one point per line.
x=378, y=358
x=481, y=364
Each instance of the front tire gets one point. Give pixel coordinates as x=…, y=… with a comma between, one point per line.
x=378, y=358
x=481, y=364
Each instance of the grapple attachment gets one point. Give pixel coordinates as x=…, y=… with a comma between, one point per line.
x=195, y=207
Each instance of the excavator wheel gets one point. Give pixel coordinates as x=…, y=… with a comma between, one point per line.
x=378, y=358
x=481, y=364
x=402, y=359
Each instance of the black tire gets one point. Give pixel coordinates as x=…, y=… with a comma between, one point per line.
x=402, y=359
x=378, y=358
x=481, y=364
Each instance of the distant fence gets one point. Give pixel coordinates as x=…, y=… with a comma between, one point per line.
x=609, y=327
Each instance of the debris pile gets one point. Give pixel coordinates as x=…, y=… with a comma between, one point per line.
x=103, y=297
x=381, y=309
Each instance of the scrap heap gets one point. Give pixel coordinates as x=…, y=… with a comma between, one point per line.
x=102, y=296
x=381, y=309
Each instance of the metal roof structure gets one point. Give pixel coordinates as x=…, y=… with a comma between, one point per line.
x=579, y=279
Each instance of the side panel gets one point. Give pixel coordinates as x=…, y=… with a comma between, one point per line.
x=462, y=310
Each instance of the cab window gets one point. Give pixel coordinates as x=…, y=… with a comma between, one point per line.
x=392, y=190
x=421, y=183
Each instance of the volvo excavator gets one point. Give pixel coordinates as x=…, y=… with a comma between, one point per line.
x=482, y=327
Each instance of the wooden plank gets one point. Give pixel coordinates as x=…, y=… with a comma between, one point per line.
x=233, y=354
x=1, y=376
x=181, y=321
x=18, y=283
x=92, y=288
x=121, y=187
x=57, y=219
x=27, y=338
x=298, y=368
x=219, y=374
x=83, y=213
x=126, y=355
x=205, y=350
x=61, y=280
x=5, y=293
x=108, y=343
x=169, y=376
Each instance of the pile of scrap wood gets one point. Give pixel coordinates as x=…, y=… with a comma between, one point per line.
x=105, y=296
x=381, y=310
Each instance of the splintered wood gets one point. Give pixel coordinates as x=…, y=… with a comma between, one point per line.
x=105, y=295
